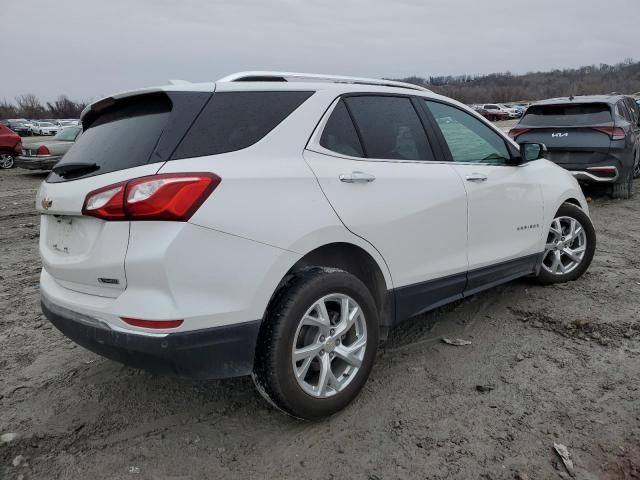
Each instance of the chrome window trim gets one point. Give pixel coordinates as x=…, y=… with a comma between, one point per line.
x=313, y=145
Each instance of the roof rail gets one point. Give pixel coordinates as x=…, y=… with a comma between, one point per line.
x=267, y=76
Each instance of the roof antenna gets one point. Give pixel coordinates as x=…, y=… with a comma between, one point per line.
x=571, y=97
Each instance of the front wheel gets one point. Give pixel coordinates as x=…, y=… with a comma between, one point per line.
x=570, y=246
x=318, y=344
x=7, y=160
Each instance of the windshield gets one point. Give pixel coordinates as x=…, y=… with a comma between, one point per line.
x=45, y=124
x=67, y=134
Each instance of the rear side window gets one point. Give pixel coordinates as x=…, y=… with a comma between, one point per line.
x=340, y=135
x=577, y=115
x=622, y=111
x=389, y=128
x=235, y=120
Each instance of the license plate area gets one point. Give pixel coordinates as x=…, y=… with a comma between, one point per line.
x=67, y=235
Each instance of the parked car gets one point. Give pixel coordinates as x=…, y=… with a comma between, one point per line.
x=596, y=138
x=44, y=155
x=44, y=128
x=493, y=112
x=279, y=228
x=519, y=108
x=10, y=144
x=512, y=111
x=30, y=124
x=20, y=127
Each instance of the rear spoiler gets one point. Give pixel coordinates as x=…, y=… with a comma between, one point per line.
x=105, y=102
x=175, y=85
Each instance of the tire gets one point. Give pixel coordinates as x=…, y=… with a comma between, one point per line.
x=623, y=189
x=583, y=243
x=284, y=331
x=7, y=161
x=636, y=167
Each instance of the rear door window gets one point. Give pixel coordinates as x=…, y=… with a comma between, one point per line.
x=389, y=128
x=339, y=134
x=235, y=120
x=576, y=115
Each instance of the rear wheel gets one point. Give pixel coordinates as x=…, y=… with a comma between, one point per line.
x=7, y=160
x=318, y=344
x=636, y=166
x=571, y=244
x=624, y=188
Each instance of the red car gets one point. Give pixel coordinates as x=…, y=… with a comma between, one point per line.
x=10, y=147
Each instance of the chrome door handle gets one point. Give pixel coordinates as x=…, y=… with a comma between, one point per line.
x=476, y=177
x=357, y=177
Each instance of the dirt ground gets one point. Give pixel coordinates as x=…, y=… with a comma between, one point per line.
x=563, y=362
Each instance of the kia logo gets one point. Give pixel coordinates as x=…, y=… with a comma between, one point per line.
x=565, y=134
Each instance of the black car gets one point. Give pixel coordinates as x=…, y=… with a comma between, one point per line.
x=597, y=138
x=19, y=127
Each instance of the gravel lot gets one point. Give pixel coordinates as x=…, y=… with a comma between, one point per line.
x=561, y=363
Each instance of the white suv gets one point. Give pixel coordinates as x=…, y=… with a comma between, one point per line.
x=277, y=224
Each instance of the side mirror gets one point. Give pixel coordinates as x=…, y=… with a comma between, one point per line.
x=532, y=151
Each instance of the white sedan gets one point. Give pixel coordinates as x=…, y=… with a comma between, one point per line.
x=44, y=128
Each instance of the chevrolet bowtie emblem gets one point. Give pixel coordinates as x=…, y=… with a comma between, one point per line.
x=46, y=203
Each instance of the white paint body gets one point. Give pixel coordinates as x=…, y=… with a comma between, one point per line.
x=279, y=199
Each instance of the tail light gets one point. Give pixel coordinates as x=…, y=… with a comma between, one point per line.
x=516, y=132
x=136, y=322
x=42, y=150
x=170, y=197
x=615, y=133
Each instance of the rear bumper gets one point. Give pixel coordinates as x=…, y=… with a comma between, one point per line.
x=37, y=163
x=218, y=352
x=591, y=177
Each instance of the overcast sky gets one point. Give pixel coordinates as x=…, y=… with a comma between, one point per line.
x=91, y=48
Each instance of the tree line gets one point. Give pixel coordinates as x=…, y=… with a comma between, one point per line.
x=623, y=77
x=505, y=87
x=29, y=106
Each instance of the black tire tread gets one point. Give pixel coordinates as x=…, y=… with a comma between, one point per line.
x=273, y=331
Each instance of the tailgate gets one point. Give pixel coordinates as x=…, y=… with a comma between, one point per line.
x=83, y=253
x=570, y=131
x=571, y=146
x=124, y=138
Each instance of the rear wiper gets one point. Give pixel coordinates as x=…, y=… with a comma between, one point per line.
x=67, y=168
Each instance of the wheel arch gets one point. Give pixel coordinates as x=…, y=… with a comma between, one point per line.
x=353, y=259
x=574, y=201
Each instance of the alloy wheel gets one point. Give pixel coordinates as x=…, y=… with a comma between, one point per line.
x=6, y=160
x=329, y=345
x=566, y=246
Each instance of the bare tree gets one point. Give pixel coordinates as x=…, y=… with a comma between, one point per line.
x=29, y=106
x=7, y=110
x=63, y=107
x=506, y=87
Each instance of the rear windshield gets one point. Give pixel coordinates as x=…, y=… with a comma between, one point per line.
x=123, y=136
x=567, y=115
x=235, y=120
